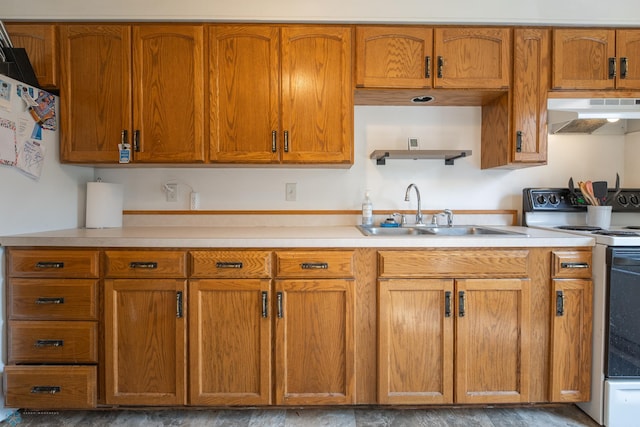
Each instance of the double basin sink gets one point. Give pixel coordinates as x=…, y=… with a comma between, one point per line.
x=427, y=231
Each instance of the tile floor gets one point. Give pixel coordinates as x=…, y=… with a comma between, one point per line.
x=548, y=416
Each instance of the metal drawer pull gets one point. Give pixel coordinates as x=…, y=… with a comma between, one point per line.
x=447, y=304
x=228, y=265
x=559, y=303
x=49, y=343
x=612, y=68
x=47, y=264
x=179, y=312
x=461, y=304
x=624, y=67
x=279, y=301
x=574, y=264
x=274, y=139
x=427, y=67
x=314, y=265
x=143, y=264
x=440, y=66
x=265, y=300
x=46, y=300
x=46, y=389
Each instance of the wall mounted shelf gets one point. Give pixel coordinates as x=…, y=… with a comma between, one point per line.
x=449, y=156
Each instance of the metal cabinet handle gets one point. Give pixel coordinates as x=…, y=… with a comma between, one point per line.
x=559, y=303
x=143, y=264
x=440, y=66
x=124, y=137
x=519, y=141
x=447, y=304
x=46, y=389
x=136, y=140
x=624, y=67
x=279, y=302
x=612, y=68
x=274, y=141
x=286, y=141
x=461, y=304
x=265, y=301
x=574, y=265
x=49, y=264
x=48, y=343
x=47, y=300
x=314, y=265
x=179, y=304
x=228, y=265
x=427, y=67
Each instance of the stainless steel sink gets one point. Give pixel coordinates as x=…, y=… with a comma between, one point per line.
x=456, y=230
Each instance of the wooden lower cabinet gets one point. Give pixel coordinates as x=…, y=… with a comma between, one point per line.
x=230, y=324
x=417, y=341
x=145, y=341
x=314, y=343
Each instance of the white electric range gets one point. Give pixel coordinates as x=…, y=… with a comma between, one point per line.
x=615, y=376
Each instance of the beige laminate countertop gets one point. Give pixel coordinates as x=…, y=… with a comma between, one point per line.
x=281, y=237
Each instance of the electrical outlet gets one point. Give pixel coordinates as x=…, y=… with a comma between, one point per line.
x=172, y=192
x=290, y=192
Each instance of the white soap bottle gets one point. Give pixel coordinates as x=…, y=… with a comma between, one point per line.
x=367, y=210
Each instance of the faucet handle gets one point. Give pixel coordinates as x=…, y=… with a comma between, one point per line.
x=403, y=219
x=434, y=220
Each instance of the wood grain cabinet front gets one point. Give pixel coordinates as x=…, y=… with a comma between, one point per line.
x=40, y=42
x=53, y=328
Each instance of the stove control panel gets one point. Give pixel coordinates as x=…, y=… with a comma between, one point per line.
x=565, y=200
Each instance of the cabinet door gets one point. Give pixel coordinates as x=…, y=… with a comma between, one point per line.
x=628, y=54
x=394, y=57
x=415, y=341
x=317, y=94
x=492, y=341
x=314, y=342
x=472, y=58
x=244, y=70
x=95, y=91
x=581, y=58
x=145, y=341
x=230, y=342
x=530, y=87
x=39, y=40
x=169, y=93
x=571, y=340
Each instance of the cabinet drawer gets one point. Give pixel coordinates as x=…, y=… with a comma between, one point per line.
x=453, y=263
x=231, y=264
x=53, y=263
x=143, y=264
x=571, y=264
x=52, y=342
x=315, y=264
x=52, y=299
x=50, y=387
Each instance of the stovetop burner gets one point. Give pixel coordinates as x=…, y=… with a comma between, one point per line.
x=633, y=227
x=579, y=227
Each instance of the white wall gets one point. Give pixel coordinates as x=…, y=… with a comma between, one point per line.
x=461, y=186
x=619, y=12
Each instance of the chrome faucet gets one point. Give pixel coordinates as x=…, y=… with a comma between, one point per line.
x=419, y=220
x=449, y=215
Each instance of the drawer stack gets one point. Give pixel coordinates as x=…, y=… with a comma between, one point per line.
x=53, y=328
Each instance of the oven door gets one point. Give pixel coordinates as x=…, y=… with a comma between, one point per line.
x=623, y=337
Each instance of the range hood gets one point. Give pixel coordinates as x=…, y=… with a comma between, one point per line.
x=598, y=116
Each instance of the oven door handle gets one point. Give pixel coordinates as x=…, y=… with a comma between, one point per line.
x=627, y=261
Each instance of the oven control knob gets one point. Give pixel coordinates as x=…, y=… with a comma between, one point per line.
x=623, y=200
x=541, y=200
x=634, y=200
x=553, y=199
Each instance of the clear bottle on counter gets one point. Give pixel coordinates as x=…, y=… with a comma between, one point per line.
x=367, y=210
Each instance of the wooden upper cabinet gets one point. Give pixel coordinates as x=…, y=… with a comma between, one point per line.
x=168, y=93
x=157, y=98
x=39, y=41
x=472, y=57
x=317, y=94
x=394, y=57
x=95, y=91
x=596, y=58
x=244, y=64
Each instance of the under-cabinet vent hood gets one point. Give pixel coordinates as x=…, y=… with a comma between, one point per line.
x=601, y=116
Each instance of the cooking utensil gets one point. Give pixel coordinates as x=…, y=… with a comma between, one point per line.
x=617, y=191
x=587, y=192
x=600, y=191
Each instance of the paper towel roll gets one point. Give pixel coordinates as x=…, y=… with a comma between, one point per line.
x=104, y=205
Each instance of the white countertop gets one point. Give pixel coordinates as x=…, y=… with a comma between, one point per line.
x=282, y=237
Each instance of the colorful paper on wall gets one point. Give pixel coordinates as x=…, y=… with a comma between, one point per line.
x=8, y=146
